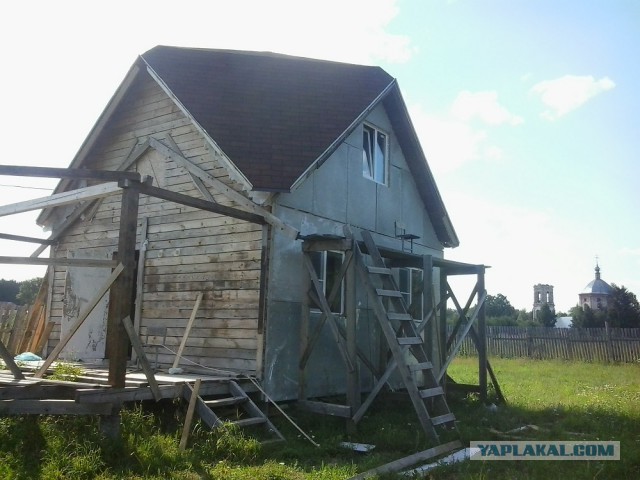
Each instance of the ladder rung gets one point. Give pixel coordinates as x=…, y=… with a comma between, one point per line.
x=388, y=293
x=405, y=317
x=415, y=367
x=431, y=392
x=379, y=270
x=410, y=340
x=249, y=421
x=220, y=402
x=446, y=418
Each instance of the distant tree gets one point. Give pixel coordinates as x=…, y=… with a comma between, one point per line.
x=546, y=317
x=498, y=306
x=623, y=309
x=587, y=318
x=8, y=290
x=28, y=290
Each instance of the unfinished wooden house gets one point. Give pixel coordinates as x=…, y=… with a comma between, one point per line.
x=325, y=274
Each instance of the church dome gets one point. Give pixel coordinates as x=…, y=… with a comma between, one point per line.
x=597, y=286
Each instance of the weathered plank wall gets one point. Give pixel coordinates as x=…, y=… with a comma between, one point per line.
x=188, y=250
x=582, y=344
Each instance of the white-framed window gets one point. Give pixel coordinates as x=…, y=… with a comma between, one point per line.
x=410, y=283
x=327, y=266
x=375, y=153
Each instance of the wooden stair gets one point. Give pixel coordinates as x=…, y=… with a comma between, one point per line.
x=236, y=408
x=404, y=341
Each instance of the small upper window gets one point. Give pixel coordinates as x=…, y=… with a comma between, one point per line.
x=374, y=154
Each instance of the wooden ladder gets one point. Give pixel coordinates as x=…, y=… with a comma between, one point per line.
x=244, y=411
x=404, y=341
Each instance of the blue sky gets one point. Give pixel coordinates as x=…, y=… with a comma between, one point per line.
x=527, y=110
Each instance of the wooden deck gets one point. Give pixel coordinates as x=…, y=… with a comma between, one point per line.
x=90, y=393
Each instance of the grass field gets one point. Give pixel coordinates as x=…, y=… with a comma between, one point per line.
x=565, y=401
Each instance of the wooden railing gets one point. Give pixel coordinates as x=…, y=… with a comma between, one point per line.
x=581, y=344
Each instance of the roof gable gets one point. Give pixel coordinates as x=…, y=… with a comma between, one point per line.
x=290, y=109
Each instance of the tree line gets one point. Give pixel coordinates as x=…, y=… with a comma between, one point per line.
x=622, y=311
x=20, y=293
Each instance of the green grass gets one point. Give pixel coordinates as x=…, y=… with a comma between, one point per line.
x=567, y=401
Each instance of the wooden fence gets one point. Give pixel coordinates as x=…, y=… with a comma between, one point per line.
x=582, y=344
x=12, y=317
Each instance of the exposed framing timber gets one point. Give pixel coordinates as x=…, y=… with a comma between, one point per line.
x=326, y=311
x=20, y=238
x=202, y=188
x=59, y=262
x=458, y=344
x=199, y=203
x=137, y=316
x=221, y=187
x=64, y=198
x=72, y=173
x=142, y=357
x=8, y=361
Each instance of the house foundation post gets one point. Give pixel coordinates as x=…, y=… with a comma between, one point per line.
x=121, y=293
x=482, y=338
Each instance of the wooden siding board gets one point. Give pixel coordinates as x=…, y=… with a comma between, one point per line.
x=189, y=251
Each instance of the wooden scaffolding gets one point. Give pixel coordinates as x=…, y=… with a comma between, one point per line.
x=417, y=350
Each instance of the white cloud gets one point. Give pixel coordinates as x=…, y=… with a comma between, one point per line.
x=484, y=106
x=447, y=143
x=569, y=92
x=451, y=140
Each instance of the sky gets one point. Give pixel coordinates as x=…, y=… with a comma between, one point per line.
x=527, y=110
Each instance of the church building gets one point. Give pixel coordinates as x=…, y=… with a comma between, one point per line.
x=596, y=294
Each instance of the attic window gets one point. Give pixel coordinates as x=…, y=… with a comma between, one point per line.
x=374, y=154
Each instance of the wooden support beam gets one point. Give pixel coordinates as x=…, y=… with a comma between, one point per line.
x=200, y=204
x=58, y=230
x=121, y=303
x=326, y=309
x=456, y=347
x=81, y=318
x=60, y=262
x=20, y=238
x=58, y=199
x=351, y=309
x=144, y=242
x=187, y=330
x=142, y=358
x=53, y=407
x=482, y=341
x=77, y=173
x=189, y=417
x=7, y=358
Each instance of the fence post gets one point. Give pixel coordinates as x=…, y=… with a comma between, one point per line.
x=609, y=343
x=529, y=343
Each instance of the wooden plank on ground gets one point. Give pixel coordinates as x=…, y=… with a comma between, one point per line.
x=324, y=408
x=406, y=462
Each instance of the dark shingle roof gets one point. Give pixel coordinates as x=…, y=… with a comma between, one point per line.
x=273, y=115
